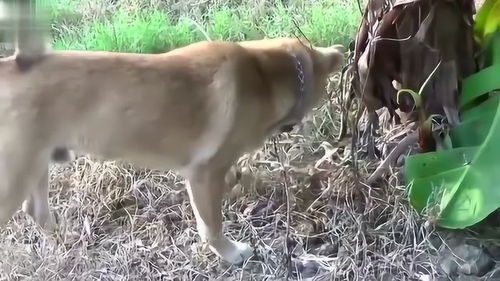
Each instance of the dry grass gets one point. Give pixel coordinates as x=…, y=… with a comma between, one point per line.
x=119, y=222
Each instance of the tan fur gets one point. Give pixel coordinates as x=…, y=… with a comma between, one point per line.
x=195, y=109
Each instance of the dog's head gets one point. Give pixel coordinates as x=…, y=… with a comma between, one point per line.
x=307, y=68
x=324, y=61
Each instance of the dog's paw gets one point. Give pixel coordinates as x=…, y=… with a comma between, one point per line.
x=28, y=208
x=232, y=177
x=242, y=252
x=232, y=251
x=41, y=216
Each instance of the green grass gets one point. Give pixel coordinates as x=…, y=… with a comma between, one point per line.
x=129, y=32
x=152, y=27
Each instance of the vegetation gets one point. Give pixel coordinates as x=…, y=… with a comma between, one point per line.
x=452, y=117
x=118, y=222
x=460, y=181
x=153, y=27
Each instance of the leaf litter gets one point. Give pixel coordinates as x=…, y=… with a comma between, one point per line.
x=120, y=222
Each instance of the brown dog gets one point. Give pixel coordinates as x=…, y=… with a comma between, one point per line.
x=195, y=109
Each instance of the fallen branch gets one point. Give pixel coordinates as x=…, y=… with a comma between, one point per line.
x=400, y=148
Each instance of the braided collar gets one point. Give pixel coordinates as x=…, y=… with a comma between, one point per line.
x=298, y=110
x=301, y=94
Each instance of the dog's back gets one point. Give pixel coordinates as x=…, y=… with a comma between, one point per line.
x=195, y=109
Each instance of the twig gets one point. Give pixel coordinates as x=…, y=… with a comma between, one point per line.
x=301, y=33
x=345, y=105
x=395, y=153
x=287, y=196
x=359, y=7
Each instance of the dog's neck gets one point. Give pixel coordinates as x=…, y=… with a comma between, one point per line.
x=303, y=74
x=300, y=105
x=302, y=96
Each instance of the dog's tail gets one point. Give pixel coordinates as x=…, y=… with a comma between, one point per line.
x=31, y=32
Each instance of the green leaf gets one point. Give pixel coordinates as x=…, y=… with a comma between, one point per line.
x=432, y=163
x=480, y=83
x=465, y=179
x=482, y=17
x=487, y=20
x=475, y=125
x=462, y=185
x=416, y=97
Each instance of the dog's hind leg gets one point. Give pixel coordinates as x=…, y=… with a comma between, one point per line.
x=22, y=166
x=37, y=205
x=206, y=190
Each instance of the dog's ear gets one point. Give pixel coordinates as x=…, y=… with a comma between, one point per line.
x=331, y=57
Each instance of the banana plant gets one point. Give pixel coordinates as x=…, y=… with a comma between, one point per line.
x=460, y=186
x=424, y=121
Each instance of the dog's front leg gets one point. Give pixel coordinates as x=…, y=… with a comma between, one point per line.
x=206, y=189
